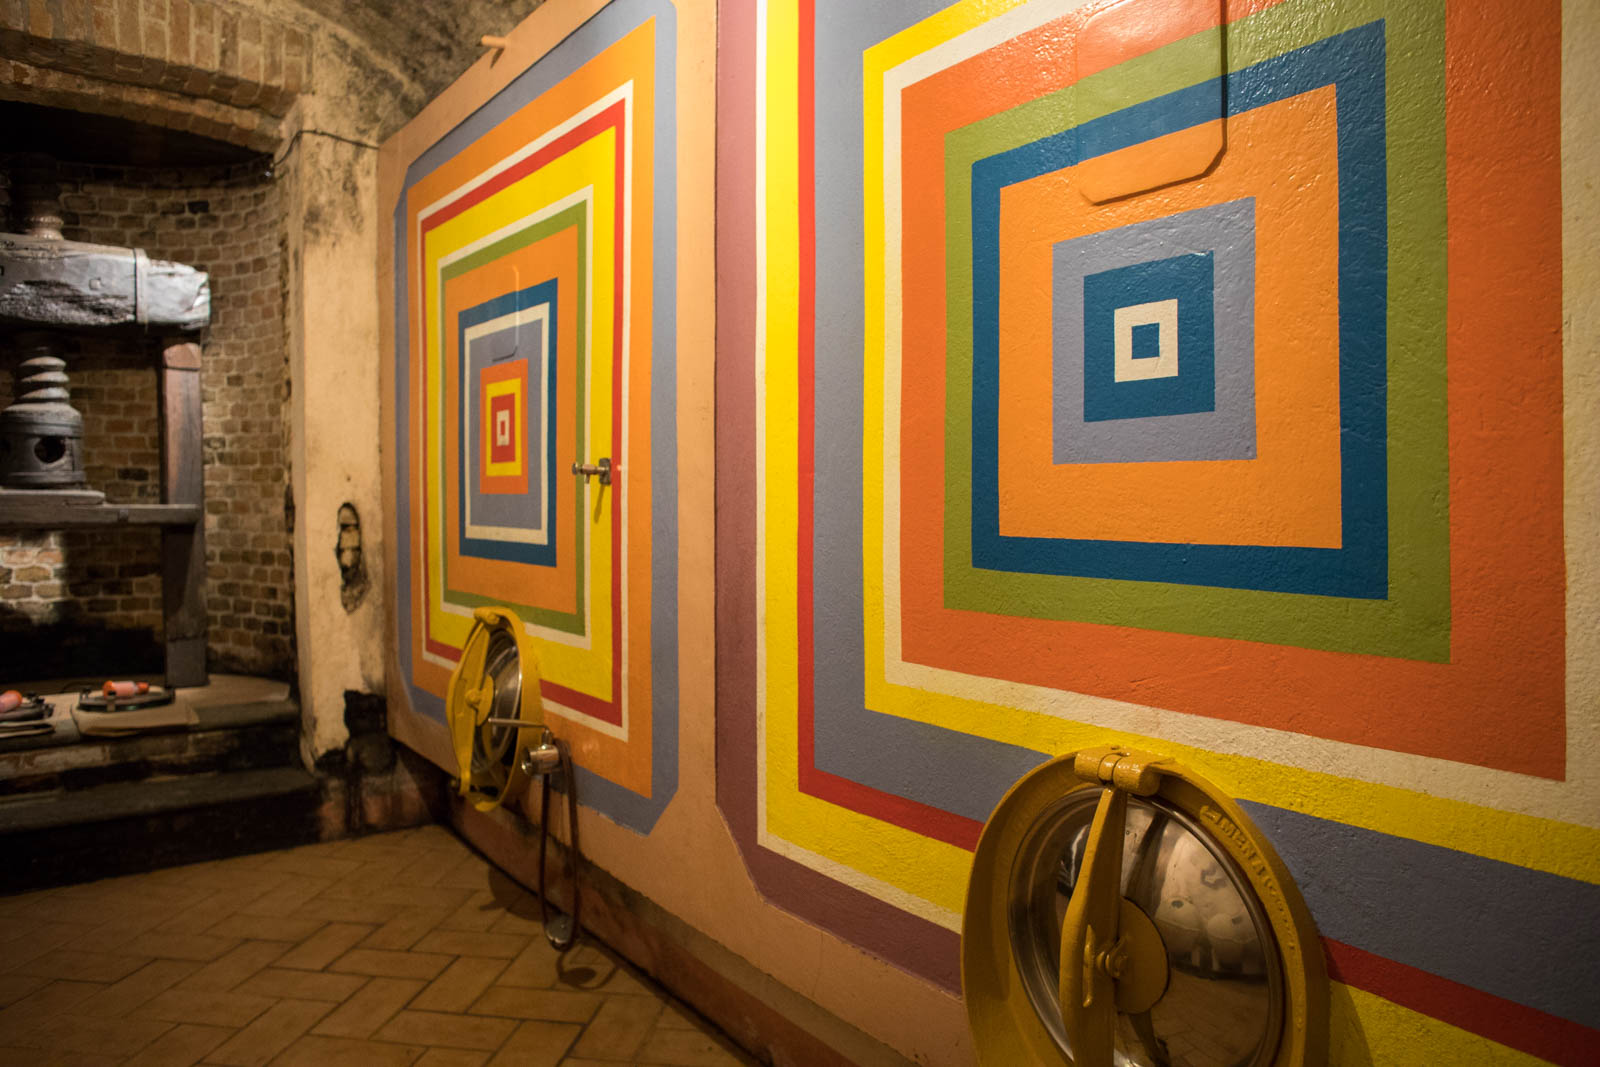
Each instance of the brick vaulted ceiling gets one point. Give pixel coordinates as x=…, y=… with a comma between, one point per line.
x=427, y=44
x=231, y=70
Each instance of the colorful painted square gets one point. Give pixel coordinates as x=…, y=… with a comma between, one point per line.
x=508, y=512
x=535, y=331
x=554, y=596
x=1147, y=340
x=502, y=430
x=1290, y=495
x=1356, y=564
x=1225, y=430
x=1296, y=577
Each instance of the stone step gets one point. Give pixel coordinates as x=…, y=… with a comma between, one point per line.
x=74, y=835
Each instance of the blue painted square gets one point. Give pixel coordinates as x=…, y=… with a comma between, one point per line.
x=1228, y=431
x=510, y=510
x=1186, y=279
x=1147, y=341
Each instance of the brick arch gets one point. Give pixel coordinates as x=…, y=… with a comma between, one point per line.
x=181, y=64
x=252, y=129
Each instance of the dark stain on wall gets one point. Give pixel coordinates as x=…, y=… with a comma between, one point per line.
x=352, y=571
x=427, y=45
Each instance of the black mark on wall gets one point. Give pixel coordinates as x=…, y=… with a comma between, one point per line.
x=352, y=571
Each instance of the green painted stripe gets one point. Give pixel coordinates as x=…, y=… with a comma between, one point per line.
x=1415, y=621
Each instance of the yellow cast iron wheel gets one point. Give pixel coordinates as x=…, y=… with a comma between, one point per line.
x=1244, y=958
x=496, y=677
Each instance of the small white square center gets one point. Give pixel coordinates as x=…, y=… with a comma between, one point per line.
x=502, y=427
x=1162, y=314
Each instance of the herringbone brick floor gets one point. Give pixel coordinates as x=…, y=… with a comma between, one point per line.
x=404, y=948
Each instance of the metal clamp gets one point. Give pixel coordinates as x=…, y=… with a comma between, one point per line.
x=533, y=762
x=141, y=286
x=1128, y=769
x=600, y=469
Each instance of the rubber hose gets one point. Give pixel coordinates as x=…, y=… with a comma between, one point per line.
x=573, y=854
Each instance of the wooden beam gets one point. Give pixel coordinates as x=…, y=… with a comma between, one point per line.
x=17, y=512
x=183, y=548
x=72, y=284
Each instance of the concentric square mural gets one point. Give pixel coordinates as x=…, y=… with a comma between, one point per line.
x=1114, y=371
x=504, y=422
x=534, y=299
x=1201, y=382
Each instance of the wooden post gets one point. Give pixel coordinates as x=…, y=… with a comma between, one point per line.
x=183, y=548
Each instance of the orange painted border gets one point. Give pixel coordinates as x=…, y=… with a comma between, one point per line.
x=555, y=256
x=1500, y=702
x=1290, y=493
x=508, y=484
x=628, y=763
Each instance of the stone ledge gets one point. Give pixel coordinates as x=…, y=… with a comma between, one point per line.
x=118, y=800
x=242, y=722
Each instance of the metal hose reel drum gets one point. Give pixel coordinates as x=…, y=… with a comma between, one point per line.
x=1124, y=911
x=501, y=744
x=495, y=684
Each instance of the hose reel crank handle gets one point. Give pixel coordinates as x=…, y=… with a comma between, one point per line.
x=545, y=759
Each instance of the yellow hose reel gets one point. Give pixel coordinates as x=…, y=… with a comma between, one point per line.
x=496, y=682
x=1124, y=911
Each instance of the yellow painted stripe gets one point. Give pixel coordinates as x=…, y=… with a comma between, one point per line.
x=778, y=425
x=1548, y=845
x=1366, y=1030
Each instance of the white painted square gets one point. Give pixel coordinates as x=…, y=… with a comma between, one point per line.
x=502, y=427
x=1162, y=313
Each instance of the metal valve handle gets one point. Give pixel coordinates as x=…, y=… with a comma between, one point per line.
x=600, y=469
x=1112, y=957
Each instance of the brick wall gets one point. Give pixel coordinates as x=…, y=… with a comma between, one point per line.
x=222, y=52
x=80, y=602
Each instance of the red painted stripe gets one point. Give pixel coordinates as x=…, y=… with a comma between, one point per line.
x=571, y=698
x=613, y=117
x=912, y=815
x=613, y=712
x=1517, y=1026
x=806, y=368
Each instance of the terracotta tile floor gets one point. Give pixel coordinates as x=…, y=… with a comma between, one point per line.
x=404, y=948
